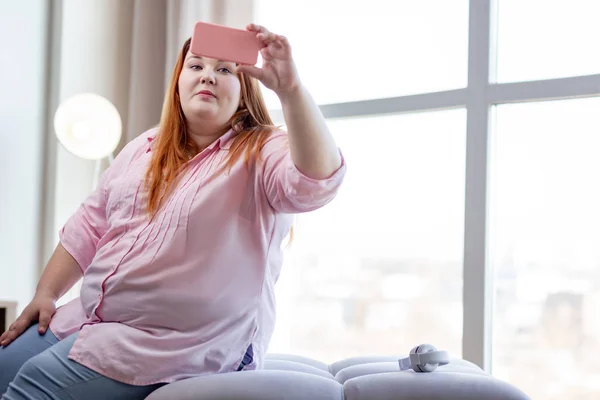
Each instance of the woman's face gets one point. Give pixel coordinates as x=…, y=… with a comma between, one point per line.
x=209, y=91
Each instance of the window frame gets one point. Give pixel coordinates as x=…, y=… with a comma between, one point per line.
x=480, y=95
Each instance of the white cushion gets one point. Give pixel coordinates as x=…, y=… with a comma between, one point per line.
x=294, y=377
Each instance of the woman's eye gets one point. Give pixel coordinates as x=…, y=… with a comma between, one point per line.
x=196, y=67
x=226, y=70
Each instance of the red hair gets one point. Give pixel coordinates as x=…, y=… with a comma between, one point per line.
x=251, y=121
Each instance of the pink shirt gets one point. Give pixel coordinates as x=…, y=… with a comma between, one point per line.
x=186, y=293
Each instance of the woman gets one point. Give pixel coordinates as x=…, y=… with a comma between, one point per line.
x=180, y=244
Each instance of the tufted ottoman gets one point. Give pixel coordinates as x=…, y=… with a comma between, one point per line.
x=365, y=378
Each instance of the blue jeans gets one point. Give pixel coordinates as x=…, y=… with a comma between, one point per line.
x=36, y=366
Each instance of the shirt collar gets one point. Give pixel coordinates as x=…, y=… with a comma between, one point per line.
x=226, y=140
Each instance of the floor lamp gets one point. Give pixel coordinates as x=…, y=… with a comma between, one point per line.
x=89, y=126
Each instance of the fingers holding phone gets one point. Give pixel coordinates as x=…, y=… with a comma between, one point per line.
x=278, y=71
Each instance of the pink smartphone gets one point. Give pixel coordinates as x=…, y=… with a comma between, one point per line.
x=224, y=43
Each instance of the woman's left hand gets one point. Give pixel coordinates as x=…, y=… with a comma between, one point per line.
x=278, y=71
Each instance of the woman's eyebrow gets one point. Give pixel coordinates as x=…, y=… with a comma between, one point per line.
x=218, y=61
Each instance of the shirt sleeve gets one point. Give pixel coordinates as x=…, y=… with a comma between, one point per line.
x=287, y=189
x=84, y=229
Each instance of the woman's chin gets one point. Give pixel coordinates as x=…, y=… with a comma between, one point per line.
x=204, y=112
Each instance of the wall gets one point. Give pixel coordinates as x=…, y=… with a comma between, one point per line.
x=23, y=32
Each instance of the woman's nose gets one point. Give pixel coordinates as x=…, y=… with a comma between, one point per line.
x=207, y=79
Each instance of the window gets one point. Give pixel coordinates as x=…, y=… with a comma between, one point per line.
x=384, y=259
x=540, y=39
x=528, y=170
x=545, y=231
x=347, y=51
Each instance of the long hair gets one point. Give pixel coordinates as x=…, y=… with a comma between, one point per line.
x=251, y=122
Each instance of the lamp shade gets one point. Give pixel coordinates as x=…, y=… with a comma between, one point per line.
x=88, y=125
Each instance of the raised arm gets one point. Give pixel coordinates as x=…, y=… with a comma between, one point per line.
x=312, y=147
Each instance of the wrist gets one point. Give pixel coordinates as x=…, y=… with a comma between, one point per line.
x=41, y=292
x=290, y=94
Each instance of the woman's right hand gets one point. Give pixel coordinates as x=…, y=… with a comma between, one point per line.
x=41, y=309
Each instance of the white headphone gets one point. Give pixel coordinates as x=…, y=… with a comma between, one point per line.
x=424, y=358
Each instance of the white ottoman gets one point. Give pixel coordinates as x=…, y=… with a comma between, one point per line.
x=365, y=378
